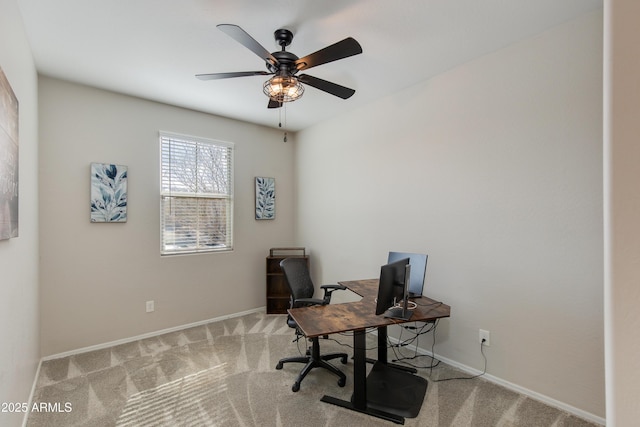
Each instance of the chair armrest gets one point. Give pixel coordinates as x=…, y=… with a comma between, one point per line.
x=334, y=287
x=304, y=302
x=328, y=289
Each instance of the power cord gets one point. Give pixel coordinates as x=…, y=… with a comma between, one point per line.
x=297, y=340
x=484, y=371
x=350, y=334
x=344, y=334
x=399, y=357
x=434, y=362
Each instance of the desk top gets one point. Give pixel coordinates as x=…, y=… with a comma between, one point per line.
x=335, y=318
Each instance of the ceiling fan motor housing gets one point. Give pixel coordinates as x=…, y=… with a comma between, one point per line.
x=286, y=63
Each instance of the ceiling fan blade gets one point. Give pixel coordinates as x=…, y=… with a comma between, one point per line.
x=242, y=37
x=342, y=49
x=323, y=85
x=274, y=104
x=216, y=76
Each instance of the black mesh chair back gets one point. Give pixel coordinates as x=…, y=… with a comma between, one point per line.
x=298, y=278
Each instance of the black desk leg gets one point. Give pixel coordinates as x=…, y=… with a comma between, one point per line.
x=359, y=370
x=359, y=399
x=382, y=344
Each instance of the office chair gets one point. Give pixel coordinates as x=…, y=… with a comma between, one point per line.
x=298, y=279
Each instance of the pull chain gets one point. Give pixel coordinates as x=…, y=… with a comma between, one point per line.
x=285, y=122
x=283, y=106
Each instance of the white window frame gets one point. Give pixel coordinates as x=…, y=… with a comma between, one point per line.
x=175, y=197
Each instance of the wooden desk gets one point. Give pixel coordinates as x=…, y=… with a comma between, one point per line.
x=359, y=316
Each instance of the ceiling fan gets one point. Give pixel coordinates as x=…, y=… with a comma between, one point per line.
x=286, y=84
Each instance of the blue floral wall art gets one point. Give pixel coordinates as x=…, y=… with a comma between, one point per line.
x=265, y=198
x=108, y=193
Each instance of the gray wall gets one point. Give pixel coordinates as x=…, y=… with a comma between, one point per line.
x=95, y=278
x=19, y=256
x=494, y=169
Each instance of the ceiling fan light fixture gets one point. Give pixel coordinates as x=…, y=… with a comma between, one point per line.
x=282, y=88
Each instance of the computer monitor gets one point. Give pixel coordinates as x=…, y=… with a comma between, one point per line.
x=418, y=270
x=392, y=290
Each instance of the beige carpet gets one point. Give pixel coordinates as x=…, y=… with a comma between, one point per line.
x=223, y=374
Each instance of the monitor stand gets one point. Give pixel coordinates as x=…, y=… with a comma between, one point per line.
x=398, y=313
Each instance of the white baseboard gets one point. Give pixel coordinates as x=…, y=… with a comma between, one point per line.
x=33, y=391
x=149, y=335
x=511, y=386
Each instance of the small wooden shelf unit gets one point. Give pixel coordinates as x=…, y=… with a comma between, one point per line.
x=278, y=294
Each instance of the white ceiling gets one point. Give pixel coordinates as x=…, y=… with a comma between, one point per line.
x=153, y=48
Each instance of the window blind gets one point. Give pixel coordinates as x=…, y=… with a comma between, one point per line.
x=196, y=194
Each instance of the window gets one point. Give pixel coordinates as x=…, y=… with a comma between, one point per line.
x=196, y=194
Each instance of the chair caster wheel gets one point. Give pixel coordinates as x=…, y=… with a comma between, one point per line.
x=295, y=387
x=279, y=365
x=342, y=382
x=344, y=360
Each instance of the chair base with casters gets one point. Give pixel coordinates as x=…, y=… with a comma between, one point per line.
x=298, y=279
x=313, y=359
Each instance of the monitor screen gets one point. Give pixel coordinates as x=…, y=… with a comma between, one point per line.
x=391, y=288
x=418, y=270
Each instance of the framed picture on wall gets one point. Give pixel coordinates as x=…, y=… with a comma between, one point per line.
x=108, y=192
x=265, y=198
x=8, y=160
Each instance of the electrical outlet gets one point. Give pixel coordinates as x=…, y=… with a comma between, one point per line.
x=486, y=336
x=150, y=306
